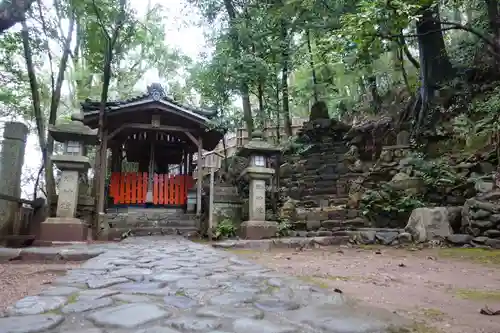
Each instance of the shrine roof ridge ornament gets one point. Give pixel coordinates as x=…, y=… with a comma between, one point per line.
x=155, y=92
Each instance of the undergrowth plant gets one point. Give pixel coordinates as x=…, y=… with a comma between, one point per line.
x=225, y=229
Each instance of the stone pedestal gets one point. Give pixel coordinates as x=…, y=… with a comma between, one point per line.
x=63, y=229
x=66, y=227
x=257, y=227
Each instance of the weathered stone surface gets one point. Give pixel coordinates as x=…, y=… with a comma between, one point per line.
x=426, y=224
x=103, y=283
x=198, y=289
x=181, y=302
x=86, y=305
x=128, y=315
x=261, y=326
x=232, y=298
x=193, y=324
x=230, y=312
x=30, y=324
x=131, y=298
x=459, y=239
x=59, y=291
x=96, y=294
x=157, y=329
x=32, y=305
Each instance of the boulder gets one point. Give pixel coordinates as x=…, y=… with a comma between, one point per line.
x=426, y=224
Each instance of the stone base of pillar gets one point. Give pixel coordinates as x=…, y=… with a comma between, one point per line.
x=258, y=229
x=62, y=229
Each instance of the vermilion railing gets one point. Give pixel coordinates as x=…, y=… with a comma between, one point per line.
x=132, y=187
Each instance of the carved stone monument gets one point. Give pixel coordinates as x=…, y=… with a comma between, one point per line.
x=11, y=164
x=65, y=227
x=258, y=150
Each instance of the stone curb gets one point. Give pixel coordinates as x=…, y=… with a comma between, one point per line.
x=276, y=243
x=48, y=254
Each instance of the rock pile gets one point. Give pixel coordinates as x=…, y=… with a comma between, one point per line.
x=316, y=182
x=481, y=219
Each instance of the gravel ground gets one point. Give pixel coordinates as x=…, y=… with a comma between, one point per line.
x=443, y=289
x=20, y=279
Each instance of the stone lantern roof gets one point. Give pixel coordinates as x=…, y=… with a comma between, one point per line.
x=75, y=130
x=257, y=145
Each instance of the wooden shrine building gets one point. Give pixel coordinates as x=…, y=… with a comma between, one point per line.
x=156, y=137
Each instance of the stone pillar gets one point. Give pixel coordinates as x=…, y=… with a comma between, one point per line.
x=68, y=194
x=11, y=165
x=257, y=227
x=66, y=227
x=257, y=203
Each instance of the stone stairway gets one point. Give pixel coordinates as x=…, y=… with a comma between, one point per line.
x=150, y=221
x=317, y=182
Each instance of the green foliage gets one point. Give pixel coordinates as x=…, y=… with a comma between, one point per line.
x=388, y=203
x=225, y=229
x=436, y=174
x=283, y=228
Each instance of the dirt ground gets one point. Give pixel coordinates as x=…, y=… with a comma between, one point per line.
x=443, y=290
x=20, y=279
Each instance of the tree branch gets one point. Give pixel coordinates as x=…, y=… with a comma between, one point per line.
x=100, y=21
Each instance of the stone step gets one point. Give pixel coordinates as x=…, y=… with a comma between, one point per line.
x=326, y=213
x=318, y=176
x=323, y=200
x=336, y=227
x=116, y=233
x=153, y=224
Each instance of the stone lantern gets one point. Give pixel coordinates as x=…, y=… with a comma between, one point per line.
x=65, y=227
x=258, y=151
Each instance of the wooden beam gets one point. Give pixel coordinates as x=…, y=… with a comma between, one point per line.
x=192, y=138
x=163, y=128
x=199, y=161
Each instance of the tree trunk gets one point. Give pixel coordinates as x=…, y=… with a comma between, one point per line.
x=494, y=27
x=110, y=46
x=278, y=119
x=435, y=66
x=54, y=106
x=244, y=90
x=313, y=69
x=35, y=97
x=284, y=78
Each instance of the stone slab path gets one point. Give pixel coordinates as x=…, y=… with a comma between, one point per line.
x=172, y=285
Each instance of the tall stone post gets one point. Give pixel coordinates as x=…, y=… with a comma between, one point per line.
x=257, y=172
x=66, y=227
x=11, y=165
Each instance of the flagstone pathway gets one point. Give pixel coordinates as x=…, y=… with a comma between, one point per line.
x=171, y=285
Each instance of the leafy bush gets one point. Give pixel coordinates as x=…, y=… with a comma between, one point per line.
x=387, y=203
x=283, y=228
x=436, y=174
x=225, y=229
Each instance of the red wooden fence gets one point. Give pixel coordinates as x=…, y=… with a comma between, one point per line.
x=132, y=187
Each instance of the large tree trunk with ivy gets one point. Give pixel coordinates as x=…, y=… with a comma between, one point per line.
x=244, y=89
x=435, y=66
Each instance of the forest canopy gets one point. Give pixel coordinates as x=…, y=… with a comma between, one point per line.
x=413, y=60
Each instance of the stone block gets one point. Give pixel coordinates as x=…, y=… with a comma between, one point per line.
x=426, y=224
x=258, y=229
x=58, y=229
